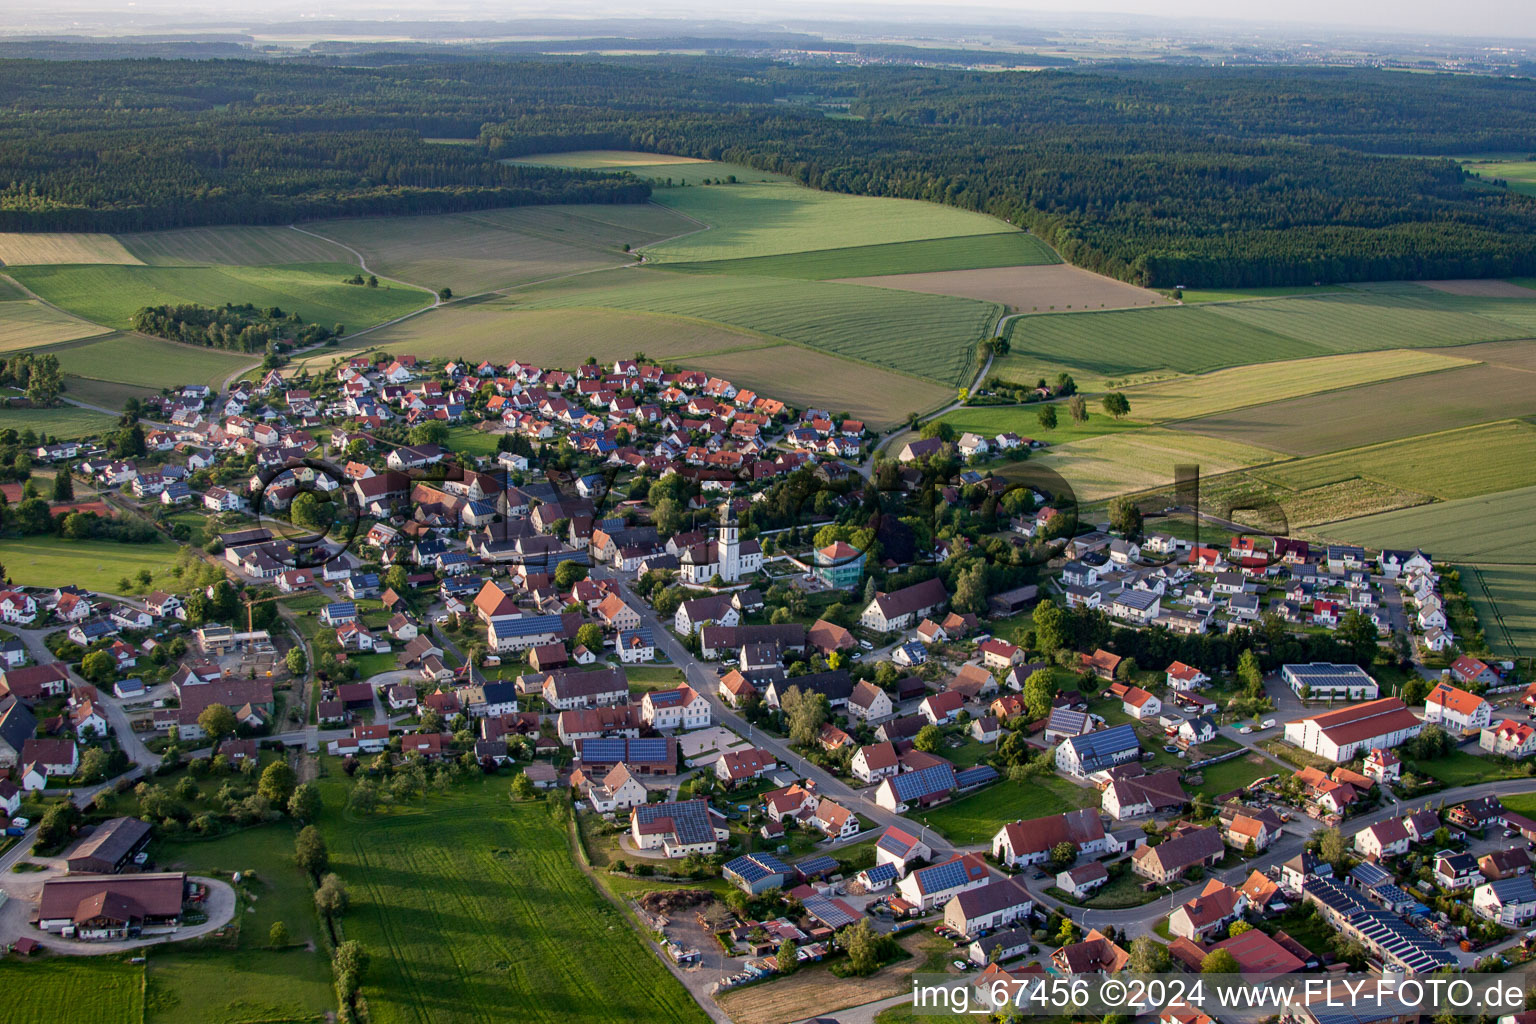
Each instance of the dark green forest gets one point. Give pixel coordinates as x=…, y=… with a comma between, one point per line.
x=1156, y=175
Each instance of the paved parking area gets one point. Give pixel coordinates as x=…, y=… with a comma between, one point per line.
x=703, y=747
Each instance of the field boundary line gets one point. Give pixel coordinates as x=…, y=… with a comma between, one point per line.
x=57, y=309
x=363, y=263
x=1493, y=605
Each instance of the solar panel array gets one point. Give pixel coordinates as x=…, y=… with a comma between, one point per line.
x=938, y=778
x=880, y=873
x=976, y=776
x=690, y=819
x=613, y=749
x=1105, y=747
x=832, y=913
x=949, y=875
x=1391, y=937
x=895, y=841
x=1369, y=876
x=754, y=867
x=817, y=865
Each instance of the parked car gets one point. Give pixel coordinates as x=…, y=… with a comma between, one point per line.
x=962, y=965
x=1245, y=730
x=866, y=645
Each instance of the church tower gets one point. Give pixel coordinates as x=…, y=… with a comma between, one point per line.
x=730, y=546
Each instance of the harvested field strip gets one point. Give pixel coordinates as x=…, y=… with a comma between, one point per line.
x=112, y=294
x=65, y=421
x=767, y=220
x=1494, y=528
x=1504, y=597
x=1198, y=295
x=10, y=291
x=231, y=246
x=31, y=323
x=549, y=337
x=1190, y=397
x=809, y=379
x=1384, y=411
x=924, y=335
x=1360, y=321
x=965, y=252
x=598, y=159
x=18, y=249
x=1455, y=464
x=148, y=362
x=1186, y=339
x=1026, y=289
x=1141, y=460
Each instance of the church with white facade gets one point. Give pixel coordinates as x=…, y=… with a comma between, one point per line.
x=727, y=556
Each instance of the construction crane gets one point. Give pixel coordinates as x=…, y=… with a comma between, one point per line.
x=250, y=602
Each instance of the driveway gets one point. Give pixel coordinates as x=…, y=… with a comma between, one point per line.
x=24, y=891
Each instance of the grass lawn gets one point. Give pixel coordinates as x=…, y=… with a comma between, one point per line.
x=1234, y=774
x=96, y=564
x=1309, y=929
x=976, y=818
x=470, y=441
x=291, y=986
x=369, y=665
x=71, y=989
x=279, y=892
x=474, y=909
x=1459, y=768
x=643, y=678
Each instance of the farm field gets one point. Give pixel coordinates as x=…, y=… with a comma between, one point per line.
x=107, y=394
x=1401, y=316
x=1481, y=287
x=291, y=986
x=602, y=159
x=1184, y=339
x=1455, y=464
x=976, y=818
x=1022, y=420
x=93, y=564
x=21, y=248
x=1139, y=460
x=149, y=362
x=813, y=990
x=65, y=421
x=231, y=245
x=472, y=906
x=111, y=294
x=1384, y=411
x=1030, y=288
x=1521, y=174
x=924, y=335
x=29, y=323
x=1199, y=295
x=1195, y=396
x=1493, y=528
x=492, y=249
x=481, y=331
x=1504, y=597
x=70, y=989
x=767, y=220
x=963, y=252
x=808, y=379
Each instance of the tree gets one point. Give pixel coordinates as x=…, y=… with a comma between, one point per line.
x=590, y=636
x=364, y=796
x=1039, y=692
x=310, y=851
x=217, y=721
x=1117, y=405
x=63, y=485
x=430, y=432
x=1126, y=670
x=277, y=782
x=863, y=947
x=331, y=898
x=522, y=787
x=1148, y=956
x=56, y=823
x=1415, y=690
x=1050, y=635
x=1046, y=417
x=1077, y=407
x=1250, y=674
x=98, y=666
x=806, y=713
x=1219, y=961
x=568, y=574
x=397, y=579
x=1239, y=927
x=1125, y=517
x=277, y=935
x=1063, y=854
x=295, y=660
x=971, y=589
x=445, y=294
x=311, y=511
x=1330, y=847
x=667, y=514
x=93, y=765
x=785, y=961
x=305, y=803
x=1359, y=633
x=927, y=738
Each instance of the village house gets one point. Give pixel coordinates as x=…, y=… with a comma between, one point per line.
x=1171, y=858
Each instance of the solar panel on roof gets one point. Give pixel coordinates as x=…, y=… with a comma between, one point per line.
x=942, y=876
x=648, y=749
x=828, y=912
x=975, y=776
x=1370, y=875
x=880, y=873
x=933, y=779
x=892, y=843
x=817, y=865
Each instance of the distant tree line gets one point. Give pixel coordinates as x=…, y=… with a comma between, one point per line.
x=1156, y=175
